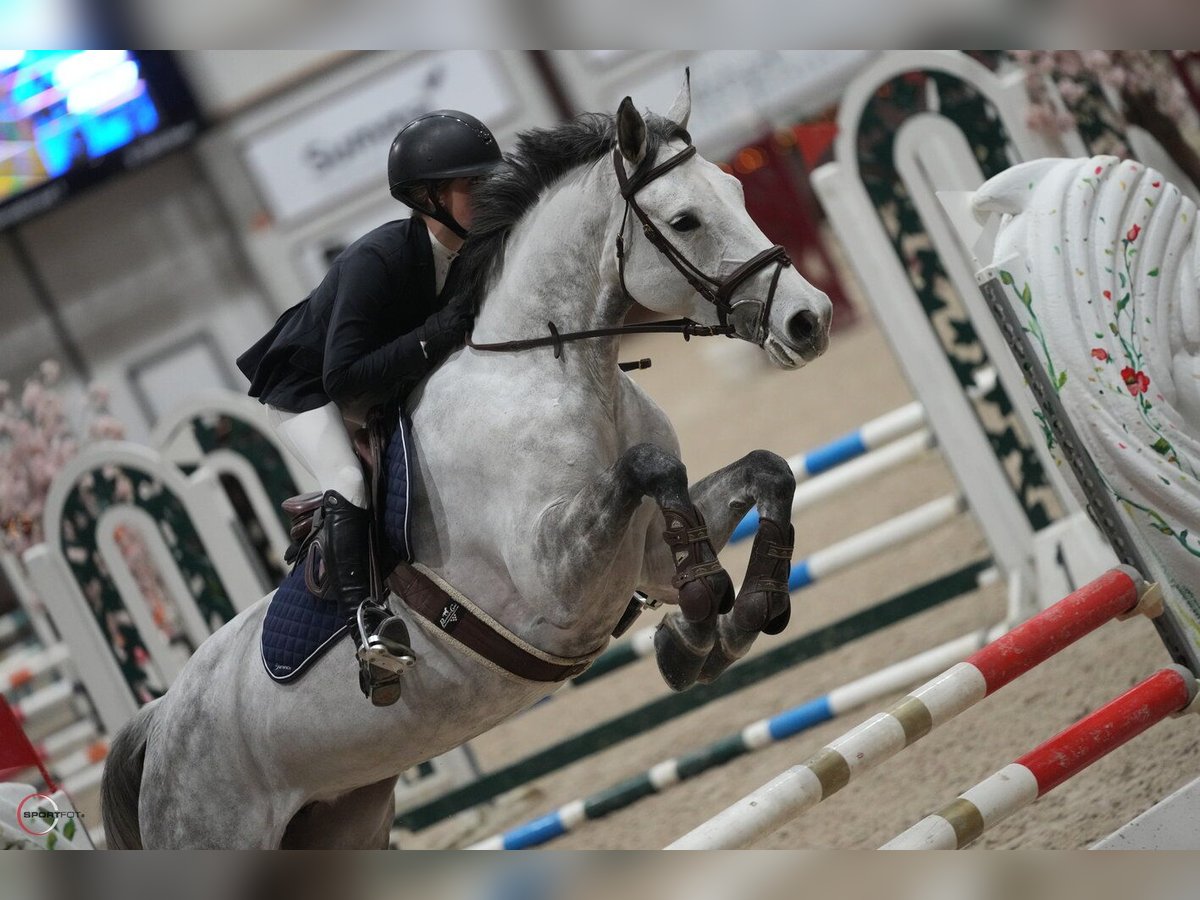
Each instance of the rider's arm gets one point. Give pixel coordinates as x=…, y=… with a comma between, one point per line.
x=356, y=367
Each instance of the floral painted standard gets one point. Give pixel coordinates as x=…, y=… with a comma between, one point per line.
x=1101, y=258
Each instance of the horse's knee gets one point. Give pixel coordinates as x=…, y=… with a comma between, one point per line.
x=770, y=472
x=649, y=468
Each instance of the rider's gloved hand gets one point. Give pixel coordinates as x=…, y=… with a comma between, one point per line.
x=446, y=329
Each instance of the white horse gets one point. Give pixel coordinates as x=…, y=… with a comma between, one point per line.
x=541, y=480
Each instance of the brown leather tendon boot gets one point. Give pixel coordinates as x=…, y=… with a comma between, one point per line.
x=764, y=602
x=704, y=587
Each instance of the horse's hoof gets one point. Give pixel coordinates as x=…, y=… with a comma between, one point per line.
x=678, y=663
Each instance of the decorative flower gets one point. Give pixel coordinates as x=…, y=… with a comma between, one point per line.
x=1132, y=234
x=1137, y=381
x=1100, y=353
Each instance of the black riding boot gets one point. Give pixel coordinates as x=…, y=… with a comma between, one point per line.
x=383, y=638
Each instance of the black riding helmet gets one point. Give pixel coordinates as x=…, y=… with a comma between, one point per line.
x=439, y=145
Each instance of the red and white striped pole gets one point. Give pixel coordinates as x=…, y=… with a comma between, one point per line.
x=1044, y=768
x=1120, y=592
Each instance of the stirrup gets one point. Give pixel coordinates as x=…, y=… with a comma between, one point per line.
x=387, y=645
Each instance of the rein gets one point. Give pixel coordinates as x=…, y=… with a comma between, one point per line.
x=717, y=291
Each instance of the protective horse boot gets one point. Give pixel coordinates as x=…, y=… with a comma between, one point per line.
x=384, y=649
x=764, y=602
x=704, y=587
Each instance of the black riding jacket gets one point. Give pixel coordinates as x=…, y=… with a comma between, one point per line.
x=351, y=340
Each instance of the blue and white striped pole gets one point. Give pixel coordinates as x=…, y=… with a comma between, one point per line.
x=875, y=447
x=870, y=436
x=753, y=737
x=885, y=536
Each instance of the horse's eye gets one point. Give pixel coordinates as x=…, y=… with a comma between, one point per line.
x=685, y=222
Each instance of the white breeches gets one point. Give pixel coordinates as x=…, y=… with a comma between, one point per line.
x=319, y=439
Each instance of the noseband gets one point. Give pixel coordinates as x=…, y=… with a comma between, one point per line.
x=717, y=291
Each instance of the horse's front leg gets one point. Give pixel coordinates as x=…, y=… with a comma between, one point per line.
x=577, y=542
x=691, y=650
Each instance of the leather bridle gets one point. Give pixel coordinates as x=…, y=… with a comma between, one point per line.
x=717, y=291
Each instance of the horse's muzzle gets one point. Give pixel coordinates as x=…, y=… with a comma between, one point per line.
x=807, y=334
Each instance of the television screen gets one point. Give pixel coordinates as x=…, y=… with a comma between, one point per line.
x=71, y=117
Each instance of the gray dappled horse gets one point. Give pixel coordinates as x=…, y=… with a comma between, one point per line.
x=545, y=482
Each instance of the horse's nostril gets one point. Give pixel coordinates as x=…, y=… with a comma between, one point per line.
x=804, y=327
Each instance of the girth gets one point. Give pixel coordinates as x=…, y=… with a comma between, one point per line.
x=461, y=620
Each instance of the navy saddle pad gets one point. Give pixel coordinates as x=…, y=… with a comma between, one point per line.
x=299, y=627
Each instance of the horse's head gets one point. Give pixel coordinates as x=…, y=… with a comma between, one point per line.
x=691, y=249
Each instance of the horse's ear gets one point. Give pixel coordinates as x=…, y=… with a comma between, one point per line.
x=681, y=109
x=631, y=132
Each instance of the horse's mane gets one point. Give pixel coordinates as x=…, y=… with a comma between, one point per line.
x=542, y=156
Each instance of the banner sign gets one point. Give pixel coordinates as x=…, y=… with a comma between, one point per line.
x=338, y=149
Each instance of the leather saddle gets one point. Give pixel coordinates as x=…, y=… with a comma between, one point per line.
x=371, y=443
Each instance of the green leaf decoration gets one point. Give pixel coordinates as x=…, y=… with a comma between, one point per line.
x=1149, y=202
x=1123, y=302
x=1027, y=296
x=1005, y=277
x=1121, y=275
x=1161, y=446
x=1112, y=326
x=51, y=840
x=1062, y=379
x=69, y=829
x=1153, y=273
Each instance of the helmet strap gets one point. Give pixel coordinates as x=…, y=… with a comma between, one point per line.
x=443, y=215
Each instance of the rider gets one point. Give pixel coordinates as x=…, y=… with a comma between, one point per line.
x=376, y=324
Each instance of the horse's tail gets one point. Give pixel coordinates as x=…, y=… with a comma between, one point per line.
x=122, y=782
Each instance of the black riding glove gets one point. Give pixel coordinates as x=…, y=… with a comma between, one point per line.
x=446, y=329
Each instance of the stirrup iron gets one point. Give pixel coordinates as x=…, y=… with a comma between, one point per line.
x=379, y=648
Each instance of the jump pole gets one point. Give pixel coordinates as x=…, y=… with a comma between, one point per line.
x=851, y=474
x=1165, y=693
x=756, y=736
x=1117, y=593
x=24, y=668
x=49, y=697
x=745, y=673
x=874, y=447
x=895, y=532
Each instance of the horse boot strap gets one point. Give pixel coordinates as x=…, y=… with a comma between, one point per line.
x=764, y=601
x=687, y=536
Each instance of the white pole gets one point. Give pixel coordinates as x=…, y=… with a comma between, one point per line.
x=875, y=463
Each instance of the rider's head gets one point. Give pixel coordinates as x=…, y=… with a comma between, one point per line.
x=433, y=162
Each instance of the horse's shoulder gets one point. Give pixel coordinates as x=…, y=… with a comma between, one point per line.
x=641, y=415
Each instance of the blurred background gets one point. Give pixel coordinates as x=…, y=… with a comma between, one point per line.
x=158, y=210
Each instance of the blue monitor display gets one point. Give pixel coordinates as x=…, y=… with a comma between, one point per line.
x=71, y=117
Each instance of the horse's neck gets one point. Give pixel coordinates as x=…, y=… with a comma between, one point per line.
x=553, y=273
